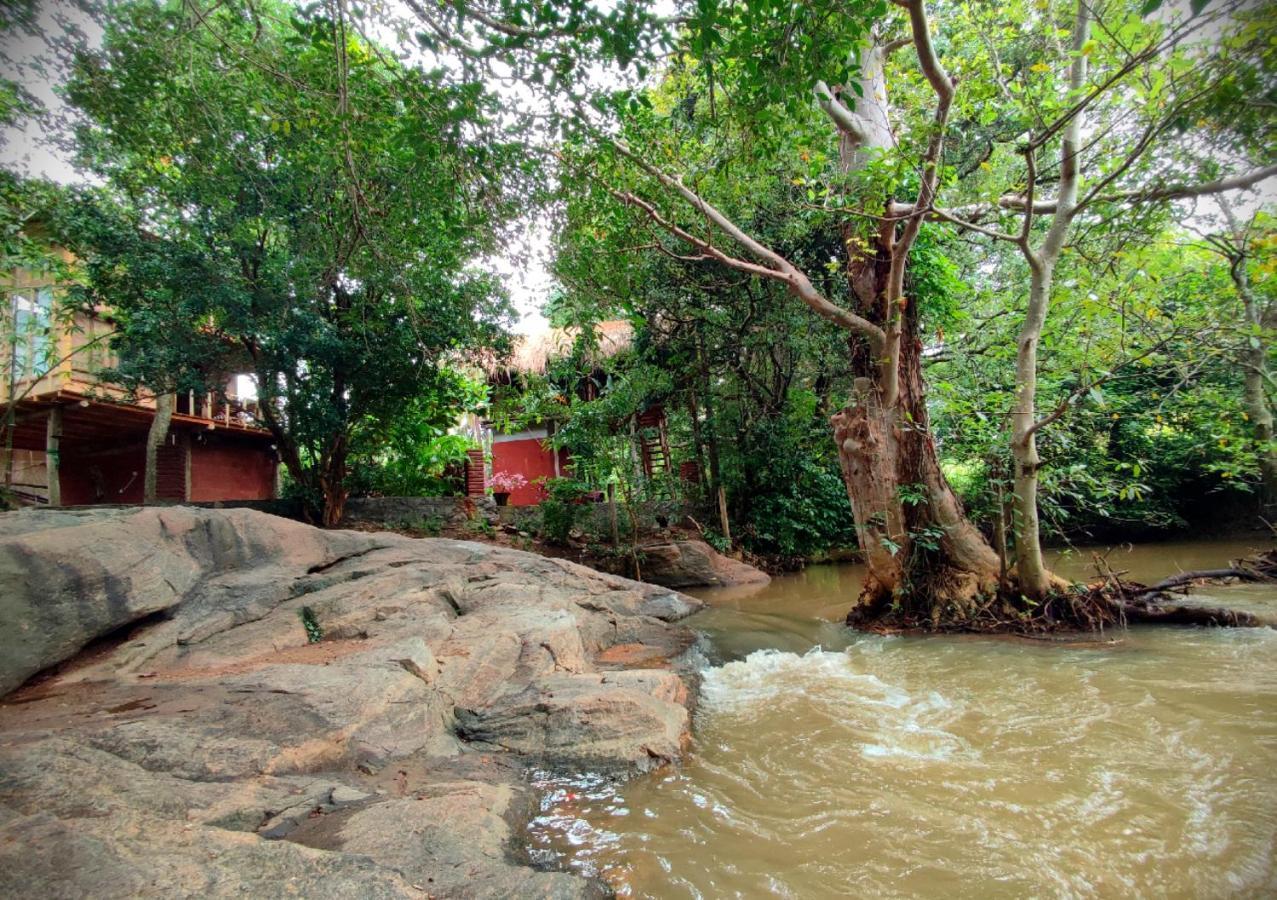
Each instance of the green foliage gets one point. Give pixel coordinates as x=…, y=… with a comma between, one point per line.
x=561, y=508
x=285, y=199
x=430, y=526
x=314, y=632
x=792, y=499
x=718, y=541
x=415, y=453
x=1163, y=442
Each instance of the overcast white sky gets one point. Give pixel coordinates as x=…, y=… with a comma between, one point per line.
x=28, y=149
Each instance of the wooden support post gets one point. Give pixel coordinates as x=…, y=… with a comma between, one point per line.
x=555, y=451
x=52, y=452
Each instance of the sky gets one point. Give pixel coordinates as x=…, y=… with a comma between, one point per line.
x=30, y=150
x=524, y=266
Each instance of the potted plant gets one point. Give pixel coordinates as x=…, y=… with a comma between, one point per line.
x=503, y=484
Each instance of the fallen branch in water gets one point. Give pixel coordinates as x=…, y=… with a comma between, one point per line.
x=1262, y=567
x=1148, y=604
x=1142, y=610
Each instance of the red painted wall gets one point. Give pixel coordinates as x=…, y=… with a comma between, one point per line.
x=232, y=471
x=529, y=458
x=106, y=476
x=170, y=472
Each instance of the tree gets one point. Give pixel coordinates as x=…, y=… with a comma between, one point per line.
x=925, y=558
x=766, y=54
x=1174, y=79
x=1247, y=245
x=285, y=197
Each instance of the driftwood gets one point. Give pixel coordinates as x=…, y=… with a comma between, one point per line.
x=1149, y=604
x=1261, y=567
x=1142, y=610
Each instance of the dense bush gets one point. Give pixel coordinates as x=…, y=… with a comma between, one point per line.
x=561, y=508
x=790, y=497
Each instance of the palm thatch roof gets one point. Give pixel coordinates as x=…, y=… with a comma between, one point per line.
x=533, y=353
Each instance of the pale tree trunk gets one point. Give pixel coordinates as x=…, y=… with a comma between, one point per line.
x=1032, y=575
x=1255, y=376
x=154, y=438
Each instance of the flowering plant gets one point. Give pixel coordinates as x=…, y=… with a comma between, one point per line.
x=506, y=482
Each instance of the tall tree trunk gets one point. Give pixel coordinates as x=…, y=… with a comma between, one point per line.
x=718, y=494
x=1031, y=571
x=1258, y=408
x=154, y=438
x=925, y=559
x=1254, y=363
x=332, y=485
x=1033, y=577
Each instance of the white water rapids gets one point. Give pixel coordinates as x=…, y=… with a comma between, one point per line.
x=947, y=767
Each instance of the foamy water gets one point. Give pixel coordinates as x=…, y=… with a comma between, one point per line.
x=943, y=767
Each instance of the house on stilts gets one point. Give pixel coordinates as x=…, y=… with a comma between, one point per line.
x=69, y=438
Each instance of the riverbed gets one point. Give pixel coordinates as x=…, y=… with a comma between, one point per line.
x=829, y=763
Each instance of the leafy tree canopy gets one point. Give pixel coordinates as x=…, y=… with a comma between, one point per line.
x=276, y=198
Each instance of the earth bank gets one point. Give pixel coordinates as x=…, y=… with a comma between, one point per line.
x=198, y=743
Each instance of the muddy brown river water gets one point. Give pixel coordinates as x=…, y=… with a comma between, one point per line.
x=827, y=763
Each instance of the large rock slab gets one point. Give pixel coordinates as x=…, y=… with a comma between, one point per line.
x=694, y=563
x=203, y=746
x=69, y=577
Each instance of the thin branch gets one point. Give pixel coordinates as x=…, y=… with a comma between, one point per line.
x=777, y=267
x=844, y=119
x=943, y=216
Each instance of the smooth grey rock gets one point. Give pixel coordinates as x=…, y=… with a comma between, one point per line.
x=215, y=751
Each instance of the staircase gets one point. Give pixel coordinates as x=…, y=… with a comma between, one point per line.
x=654, y=445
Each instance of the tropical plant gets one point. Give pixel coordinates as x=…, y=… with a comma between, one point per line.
x=296, y=203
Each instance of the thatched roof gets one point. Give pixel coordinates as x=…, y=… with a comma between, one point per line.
x=533, y=353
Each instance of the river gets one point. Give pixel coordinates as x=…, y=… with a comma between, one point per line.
x=827, y=763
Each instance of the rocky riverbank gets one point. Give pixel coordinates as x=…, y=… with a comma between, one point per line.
x=196, y=740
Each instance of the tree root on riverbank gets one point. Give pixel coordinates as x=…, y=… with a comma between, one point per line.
x=1150, y=604
x=1107, y=603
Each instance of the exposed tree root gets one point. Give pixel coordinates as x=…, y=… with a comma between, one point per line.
x=956, y=604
